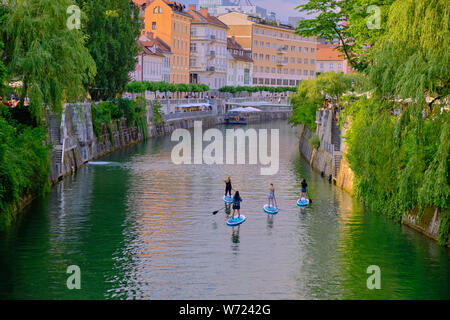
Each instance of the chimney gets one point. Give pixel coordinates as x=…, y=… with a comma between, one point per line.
x=204, y=12
x=192, y=7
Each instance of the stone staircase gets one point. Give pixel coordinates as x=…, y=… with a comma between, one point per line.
x=55, y=135
x=337, y=153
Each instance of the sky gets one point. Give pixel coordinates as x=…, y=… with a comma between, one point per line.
x=282, y=8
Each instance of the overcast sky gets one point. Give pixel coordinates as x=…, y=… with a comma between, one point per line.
x=282, y=8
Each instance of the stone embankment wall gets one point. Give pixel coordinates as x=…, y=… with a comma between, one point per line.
x=321, y=159
x=75, y=143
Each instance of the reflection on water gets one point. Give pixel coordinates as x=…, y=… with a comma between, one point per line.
x=141, y=227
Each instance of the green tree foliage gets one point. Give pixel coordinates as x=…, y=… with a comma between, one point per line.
x=106, y=113
x=347, y=22
x=24, y=163
x=161, y=86
x=41, y=51
x=112, y=31
x=398, y=143
x=312, y=93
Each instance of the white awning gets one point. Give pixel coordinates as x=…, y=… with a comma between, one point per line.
x=191, y=105
x=244, y=109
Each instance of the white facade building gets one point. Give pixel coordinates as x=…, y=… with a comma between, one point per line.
x=149, y=63
x=240, y=64
x=208, y=54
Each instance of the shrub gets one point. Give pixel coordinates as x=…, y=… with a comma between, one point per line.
x=314, y=141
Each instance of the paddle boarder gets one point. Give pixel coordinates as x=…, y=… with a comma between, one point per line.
x=304, y=186
x=228, y=187
x=236, y=204
x=271, y=195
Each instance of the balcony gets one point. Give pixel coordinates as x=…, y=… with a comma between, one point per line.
x=282, y=50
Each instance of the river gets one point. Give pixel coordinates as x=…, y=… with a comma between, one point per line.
x=141, y=227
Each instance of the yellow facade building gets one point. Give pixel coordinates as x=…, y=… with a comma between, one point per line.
x=280, y=57
x=169, y=21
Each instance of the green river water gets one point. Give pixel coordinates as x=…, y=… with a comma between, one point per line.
x=141, y=227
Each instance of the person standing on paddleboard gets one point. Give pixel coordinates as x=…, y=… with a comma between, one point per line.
x=228, y=187
x=304, y=186
x=271, y=195
x=236, y=204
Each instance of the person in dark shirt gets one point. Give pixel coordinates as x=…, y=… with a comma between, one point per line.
x=304, y=186
x=236, y=204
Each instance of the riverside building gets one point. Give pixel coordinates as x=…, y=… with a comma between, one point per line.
x=280, y=57
x=169, y=21
x=208, y=52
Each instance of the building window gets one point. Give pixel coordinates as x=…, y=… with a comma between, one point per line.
x=267, y=69
x=321, y=65
x=305, y=61
x=305, y=72
x=339, y=65
x=279, y=70
x=299, y=49
x=306, y=49
x=273, y=70
x=153, y=25
x=311, y=73
x=285, y=71
x=299, y=72
x=313, y=50
x=292, y=71
x=313, y=61
x=299, y=60
x=273, y=58
x=261, y=69
x=255, y=56
x=268, y=45
x=274, y=46
x=331, y=66
x=292, y=60
x=292, y=48
x=267, y=57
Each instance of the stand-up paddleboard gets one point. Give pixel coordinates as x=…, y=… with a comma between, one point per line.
x=228, y=199
x=270, y=209
x=302, y=202
x=236, y=221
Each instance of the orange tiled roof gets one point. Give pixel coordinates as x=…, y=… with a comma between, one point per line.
x=198, y=17
x=234, y=45
x=328, y=52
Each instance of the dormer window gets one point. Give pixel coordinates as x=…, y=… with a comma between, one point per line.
x=157, y=10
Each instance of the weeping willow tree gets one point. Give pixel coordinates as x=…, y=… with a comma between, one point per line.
x=45, y=54
x=399, y=141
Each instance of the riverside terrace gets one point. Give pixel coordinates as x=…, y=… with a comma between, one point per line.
x=219, y=106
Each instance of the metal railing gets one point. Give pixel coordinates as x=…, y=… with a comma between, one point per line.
x=184, y=115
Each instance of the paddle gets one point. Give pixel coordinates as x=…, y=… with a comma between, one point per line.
x=214, y=212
